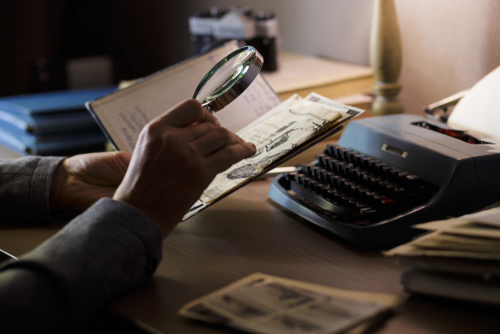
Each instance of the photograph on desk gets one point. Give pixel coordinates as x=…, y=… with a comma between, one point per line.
x=267, y=304
x=459, y=258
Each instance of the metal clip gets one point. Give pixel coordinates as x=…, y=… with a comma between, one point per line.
x=444, y=104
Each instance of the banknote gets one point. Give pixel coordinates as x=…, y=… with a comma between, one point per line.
x=286, y=129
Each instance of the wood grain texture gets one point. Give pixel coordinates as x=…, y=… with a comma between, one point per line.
x=20, y=240
x=247, y=233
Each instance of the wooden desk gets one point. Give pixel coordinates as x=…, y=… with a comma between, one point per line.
x=247, y=233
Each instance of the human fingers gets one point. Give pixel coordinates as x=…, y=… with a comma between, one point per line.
x=228, y=156
x=194, y=132
x=83, y=179
x=187, y=113
x=215, y=140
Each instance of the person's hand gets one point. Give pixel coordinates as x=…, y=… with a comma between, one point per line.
x=176, y=157
x=80, y=181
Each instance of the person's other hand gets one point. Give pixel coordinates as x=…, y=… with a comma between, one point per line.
x=80, y=181
x=176, y=157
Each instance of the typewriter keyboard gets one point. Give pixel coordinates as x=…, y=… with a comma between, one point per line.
x=355, y=188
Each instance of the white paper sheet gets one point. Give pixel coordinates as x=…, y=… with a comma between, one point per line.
x=124, y=113
x=479, y=109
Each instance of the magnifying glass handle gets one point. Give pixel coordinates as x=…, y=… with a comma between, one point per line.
x=219, y=103
x=208, y=107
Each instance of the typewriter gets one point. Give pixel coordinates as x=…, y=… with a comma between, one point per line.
x=388, y=173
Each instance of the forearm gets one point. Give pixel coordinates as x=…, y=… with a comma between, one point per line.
x=30, y=303
x=107, y=251
x=24, y=189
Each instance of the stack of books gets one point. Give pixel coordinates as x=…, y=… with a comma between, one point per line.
x=459, y=258
x=303, y=75
x=55, y=123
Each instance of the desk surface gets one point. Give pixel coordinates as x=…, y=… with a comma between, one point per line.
x=247, y=233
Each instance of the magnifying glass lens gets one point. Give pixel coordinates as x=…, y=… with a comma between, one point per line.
x=229, y=78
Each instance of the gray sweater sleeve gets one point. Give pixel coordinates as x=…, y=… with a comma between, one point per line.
x=106, y=251
x=24, y=189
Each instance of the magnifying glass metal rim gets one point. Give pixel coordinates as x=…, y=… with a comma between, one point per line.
x=254, y=66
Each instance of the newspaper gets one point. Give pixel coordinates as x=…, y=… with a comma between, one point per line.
x=283, y=129
x=261, y=303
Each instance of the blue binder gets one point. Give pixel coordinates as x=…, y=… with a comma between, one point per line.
x=49, y=123
x=42, y=103
x=58, y=144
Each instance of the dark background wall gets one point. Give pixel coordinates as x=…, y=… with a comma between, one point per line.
x=38, y=37
x=448, y=45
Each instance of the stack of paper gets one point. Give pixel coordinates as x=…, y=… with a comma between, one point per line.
x=267, y=304
x=55, y=123
x=459, y=258
x=277, y=133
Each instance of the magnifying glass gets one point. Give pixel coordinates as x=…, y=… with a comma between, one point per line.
x=228, y=78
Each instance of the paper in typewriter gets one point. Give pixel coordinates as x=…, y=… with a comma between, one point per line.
x=286, y=127
x=478, y=110
x=261, y=303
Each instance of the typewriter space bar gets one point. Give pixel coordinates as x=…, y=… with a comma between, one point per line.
x=306, y=194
